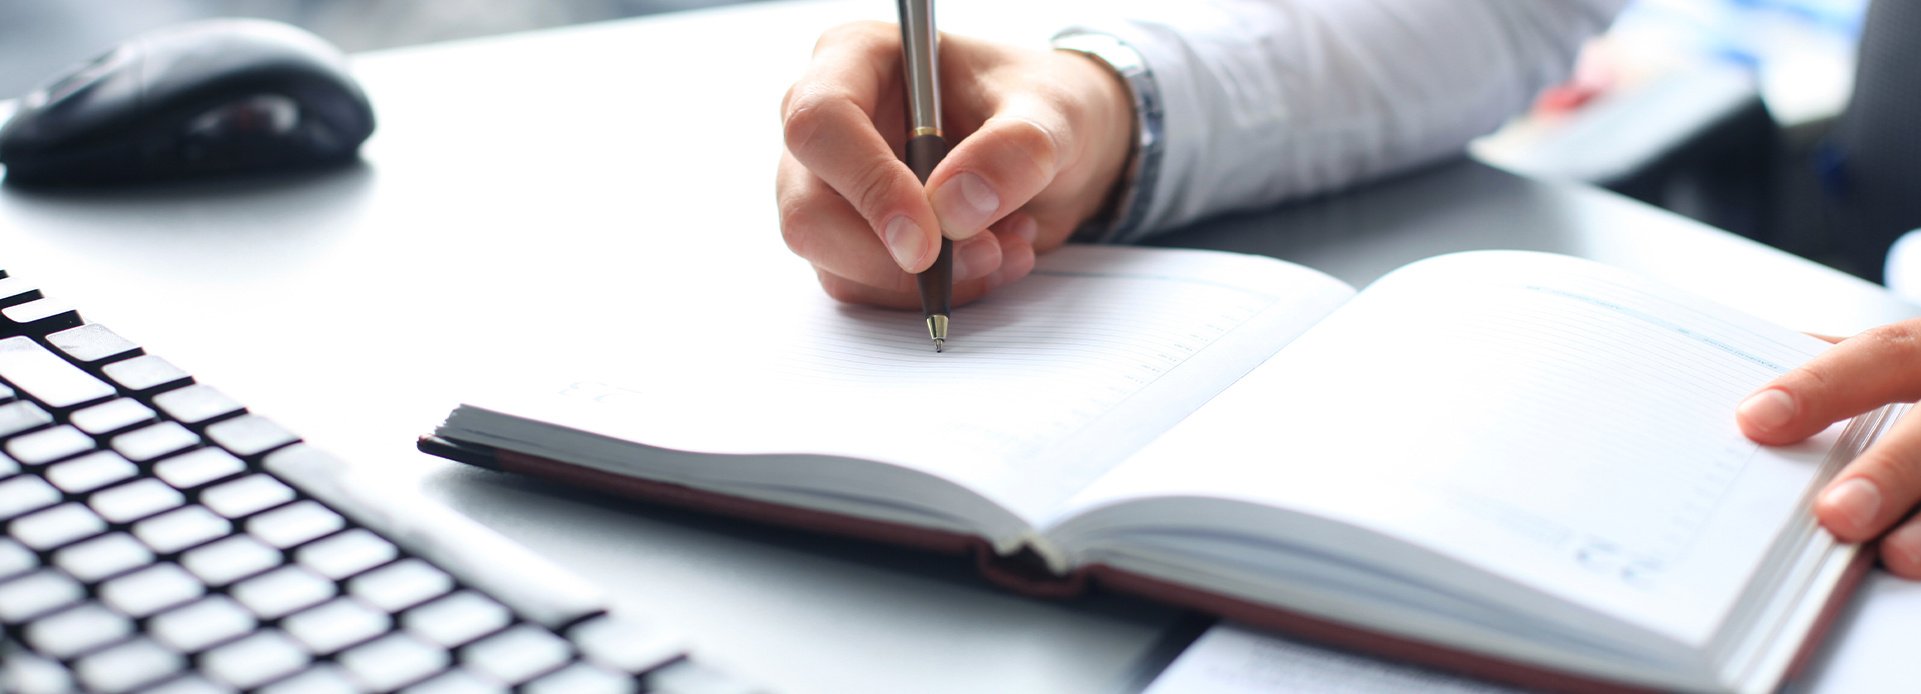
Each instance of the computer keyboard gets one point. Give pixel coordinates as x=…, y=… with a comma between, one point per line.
x=159, y=537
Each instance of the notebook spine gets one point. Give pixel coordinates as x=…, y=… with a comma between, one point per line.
x=1025, y=570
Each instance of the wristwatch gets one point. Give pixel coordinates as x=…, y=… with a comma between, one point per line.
x=1136, y=192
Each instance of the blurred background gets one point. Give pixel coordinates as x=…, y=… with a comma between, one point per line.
x=38, y=37
x=1734, y=112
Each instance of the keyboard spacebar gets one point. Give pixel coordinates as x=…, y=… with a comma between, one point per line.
x=47, y=377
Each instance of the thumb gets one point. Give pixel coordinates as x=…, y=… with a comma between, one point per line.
x=1859, y=374
x=1010, y=159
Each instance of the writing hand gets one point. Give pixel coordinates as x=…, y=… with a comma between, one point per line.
x=1039, y=139
x=1875, y=495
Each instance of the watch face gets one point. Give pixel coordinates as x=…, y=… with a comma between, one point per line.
x=1116, y=53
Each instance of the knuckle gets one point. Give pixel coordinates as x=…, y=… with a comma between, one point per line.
x=1037, y=141
x=1816, y=378
x=897, y=282
x=803, y=115
x=787, y=101
x=854, y=34
x=796, y=227
x=873, y=188
x=838, y=289
x=1895, y=341
x=1893, y=472
x=1900, y=561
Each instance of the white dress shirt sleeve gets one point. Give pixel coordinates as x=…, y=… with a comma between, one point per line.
x=1270, y=100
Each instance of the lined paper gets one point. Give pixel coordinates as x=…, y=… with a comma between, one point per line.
x=1556, y=421
x=1043, y=386
x=1238, y=659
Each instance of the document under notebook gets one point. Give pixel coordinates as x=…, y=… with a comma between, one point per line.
x=1519, y=465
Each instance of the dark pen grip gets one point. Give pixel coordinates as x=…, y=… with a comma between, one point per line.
x=924, y=152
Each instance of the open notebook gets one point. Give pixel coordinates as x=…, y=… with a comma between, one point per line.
x=1517, y=464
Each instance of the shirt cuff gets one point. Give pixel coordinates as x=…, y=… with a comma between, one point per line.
x=1127, y=216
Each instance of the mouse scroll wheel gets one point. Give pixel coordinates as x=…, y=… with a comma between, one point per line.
x=259, y=115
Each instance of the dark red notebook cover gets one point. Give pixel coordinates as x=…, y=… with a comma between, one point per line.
x=1026, y=575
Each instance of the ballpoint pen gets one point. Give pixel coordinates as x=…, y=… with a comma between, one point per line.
x=920, y=58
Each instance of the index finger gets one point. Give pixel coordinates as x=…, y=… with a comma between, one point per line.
x=829, y=123
x=1858, y=374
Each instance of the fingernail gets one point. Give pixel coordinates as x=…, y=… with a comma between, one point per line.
x=1026, y=229
x=1858, y=500
x=973, y=257
x=1906, y=542
x=904, y=241
x=1002, y=275
x=964, y=204
x=1769, y=409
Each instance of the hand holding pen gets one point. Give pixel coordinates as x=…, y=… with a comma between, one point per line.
x=1038, y=140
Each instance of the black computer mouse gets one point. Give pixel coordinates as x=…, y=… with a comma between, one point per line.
x=219, y=96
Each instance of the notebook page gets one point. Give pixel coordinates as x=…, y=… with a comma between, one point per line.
x=1043, y=385
x=1239, y=659
x=1549, y=419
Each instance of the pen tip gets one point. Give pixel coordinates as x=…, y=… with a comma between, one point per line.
x=937, y=329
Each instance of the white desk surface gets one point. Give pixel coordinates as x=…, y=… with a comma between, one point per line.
x=529, y=195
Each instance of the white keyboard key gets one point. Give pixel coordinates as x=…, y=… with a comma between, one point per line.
x=246, y=495
x=294, y=524
x=47, y=445
x=456, y=682
x=336, y=625
x=103, y=556
x=128, y=666
x=325, y=678
x=195, y=404
x=112, y=415
x=154, y=442
x=91, y=471
x=28, y=673
x=135, y=500
x=582, y=678
x=78, y=630
x=190, y=684
x=20, y=415
x=144, y=372
x=249, y=435
x=37, y=593
x=202, y=624
x=684, y=676
x=254, y=660
x=518, y=654
x=282, y=591
x=625, y=645
x=393, y=661
x=51, y=311
x=181, y=528
x=44, y=530
x=346, y=554
x=25, y=493
x=198, y=467
x=231, y=559
x=43, y=374
x=15, y=560
x=401, y=585
x=457, y=619
x=151, y=590
x=91, y=342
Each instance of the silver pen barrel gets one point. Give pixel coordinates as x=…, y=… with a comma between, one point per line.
x=919, y=42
